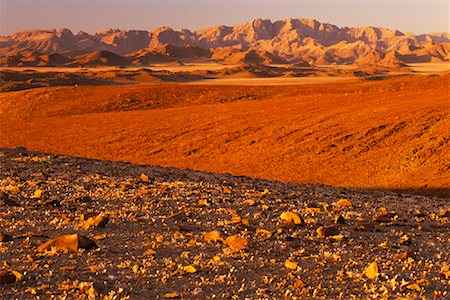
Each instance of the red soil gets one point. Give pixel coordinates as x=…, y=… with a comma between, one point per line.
x=386, y=134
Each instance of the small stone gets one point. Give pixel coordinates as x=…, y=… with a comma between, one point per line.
x=143, y=177
x=7, y=277
x=21, y=150
x=143, y=192
x=419, y=214
x=368, y=226
x=98, y=221
x=226, y=190
x=299, y=284
x=83, y=199
x=404, y=240
x=290, y=219
x=38, y=194
x=326, y=231
x=384, y=215
x=3, y=196
x=372, y=270
x=13, y=189
x=5, y=237
x=263, y=232
x=312, y=208
x=202, y=202
x=401, y=256
x=344, y=203
x=414, y=287
x=150, y=252
x=340, y=220
x=212, y=237
x=444, y=213
x=8, y=202
x=236, y=243
x=383, y=211
x=189, y=269
x=291, y=265
x=70, y=242
x=382, y=219
x=249, y=202
x=52, y=203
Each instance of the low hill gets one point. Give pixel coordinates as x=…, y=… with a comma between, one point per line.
x=392, y=59
x=99, y=58
x=147, y=57
x=184, y=52
x=253, y=57
x=396, y=138
x=55, y=60
x=34, y=59
x=22, y=59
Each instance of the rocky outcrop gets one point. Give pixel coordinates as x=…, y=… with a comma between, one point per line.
x=290, y=39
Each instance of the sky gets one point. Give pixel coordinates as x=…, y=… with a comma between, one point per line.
x=418, y=16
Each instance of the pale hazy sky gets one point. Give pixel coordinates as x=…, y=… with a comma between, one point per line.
x=419, y=16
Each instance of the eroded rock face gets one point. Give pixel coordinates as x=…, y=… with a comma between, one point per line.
x=293, y=39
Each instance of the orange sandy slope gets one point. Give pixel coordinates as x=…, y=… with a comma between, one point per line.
x=386, y=134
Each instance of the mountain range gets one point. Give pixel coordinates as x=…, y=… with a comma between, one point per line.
x=301, y=41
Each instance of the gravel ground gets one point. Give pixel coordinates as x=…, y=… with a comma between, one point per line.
x=146, y=232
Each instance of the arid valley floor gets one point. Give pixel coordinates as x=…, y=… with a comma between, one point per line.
x=389, y=134
x=179, y=233
x=271, y=160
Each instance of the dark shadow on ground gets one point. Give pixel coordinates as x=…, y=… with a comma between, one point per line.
x=433, y=192
x=92, y=165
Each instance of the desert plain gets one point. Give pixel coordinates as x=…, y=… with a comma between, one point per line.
x=290, y=159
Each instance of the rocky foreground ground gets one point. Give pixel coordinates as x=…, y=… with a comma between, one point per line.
x=81, y=228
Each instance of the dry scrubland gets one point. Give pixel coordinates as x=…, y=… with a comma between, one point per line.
x=391, y=134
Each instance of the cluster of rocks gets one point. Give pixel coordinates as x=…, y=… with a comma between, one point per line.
x=80, y=228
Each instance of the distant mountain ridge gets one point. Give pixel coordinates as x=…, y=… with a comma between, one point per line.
x=291, y=40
